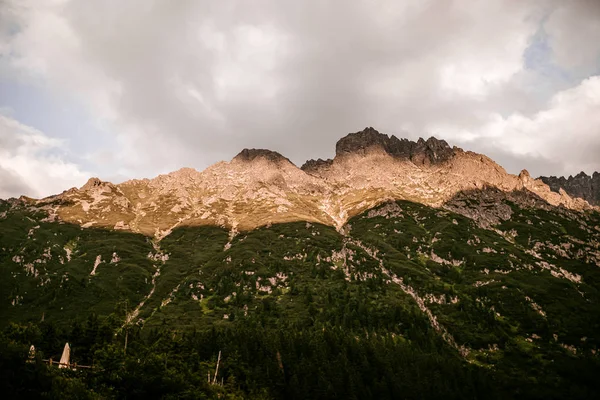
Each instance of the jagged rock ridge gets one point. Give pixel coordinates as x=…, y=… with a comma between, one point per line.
x=259, y=187
x=582, y=186
x=421, y=152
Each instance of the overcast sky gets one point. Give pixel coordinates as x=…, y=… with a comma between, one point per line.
x=130, y=89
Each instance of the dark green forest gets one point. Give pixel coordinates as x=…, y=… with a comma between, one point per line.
x=280, y=362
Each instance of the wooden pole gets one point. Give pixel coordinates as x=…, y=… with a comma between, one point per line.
x=217, y=369
x=126, y=330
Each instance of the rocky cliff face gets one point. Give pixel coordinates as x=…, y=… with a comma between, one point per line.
x=422, y=152
x=260, y=187
x=580, y=186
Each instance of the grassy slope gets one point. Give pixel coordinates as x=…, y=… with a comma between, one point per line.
x=45, y=284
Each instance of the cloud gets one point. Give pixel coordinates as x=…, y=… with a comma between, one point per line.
x=571, y=29
x=191, y=83
x=32, y=164
x=569, y=126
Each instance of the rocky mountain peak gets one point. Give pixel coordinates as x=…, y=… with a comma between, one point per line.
x=95, y=184
x=252, y=154
x=581, y=185
x=315, y=165
x=360, y=142
x=432, y=151
x=92, y=183
x=421, y=152
x=524, y=175
x=582, y=175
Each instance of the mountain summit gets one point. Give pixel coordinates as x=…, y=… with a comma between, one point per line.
x=422, y=152
x=252, y=154
x=258, y=187
x=369, y=140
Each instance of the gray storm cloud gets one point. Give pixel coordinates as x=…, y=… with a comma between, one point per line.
x=190, y=83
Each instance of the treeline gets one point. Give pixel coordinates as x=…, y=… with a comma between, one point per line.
x=324, y=362
x=256, y=362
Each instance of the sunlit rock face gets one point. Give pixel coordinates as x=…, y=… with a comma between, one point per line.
x=258, y=187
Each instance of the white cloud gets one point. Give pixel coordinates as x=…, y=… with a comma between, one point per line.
x=570, y=125
x=32, y=164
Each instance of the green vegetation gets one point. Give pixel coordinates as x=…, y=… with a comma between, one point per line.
x=411, y=302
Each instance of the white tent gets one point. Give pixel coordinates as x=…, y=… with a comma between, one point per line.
x=64, y=360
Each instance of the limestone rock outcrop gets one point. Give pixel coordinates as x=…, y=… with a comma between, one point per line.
x=258, y=187
x=422, y=152
x=581, y=186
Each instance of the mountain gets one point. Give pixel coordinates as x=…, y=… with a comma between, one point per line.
x=259, y=187
x=579, y=186
x=397, y=269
